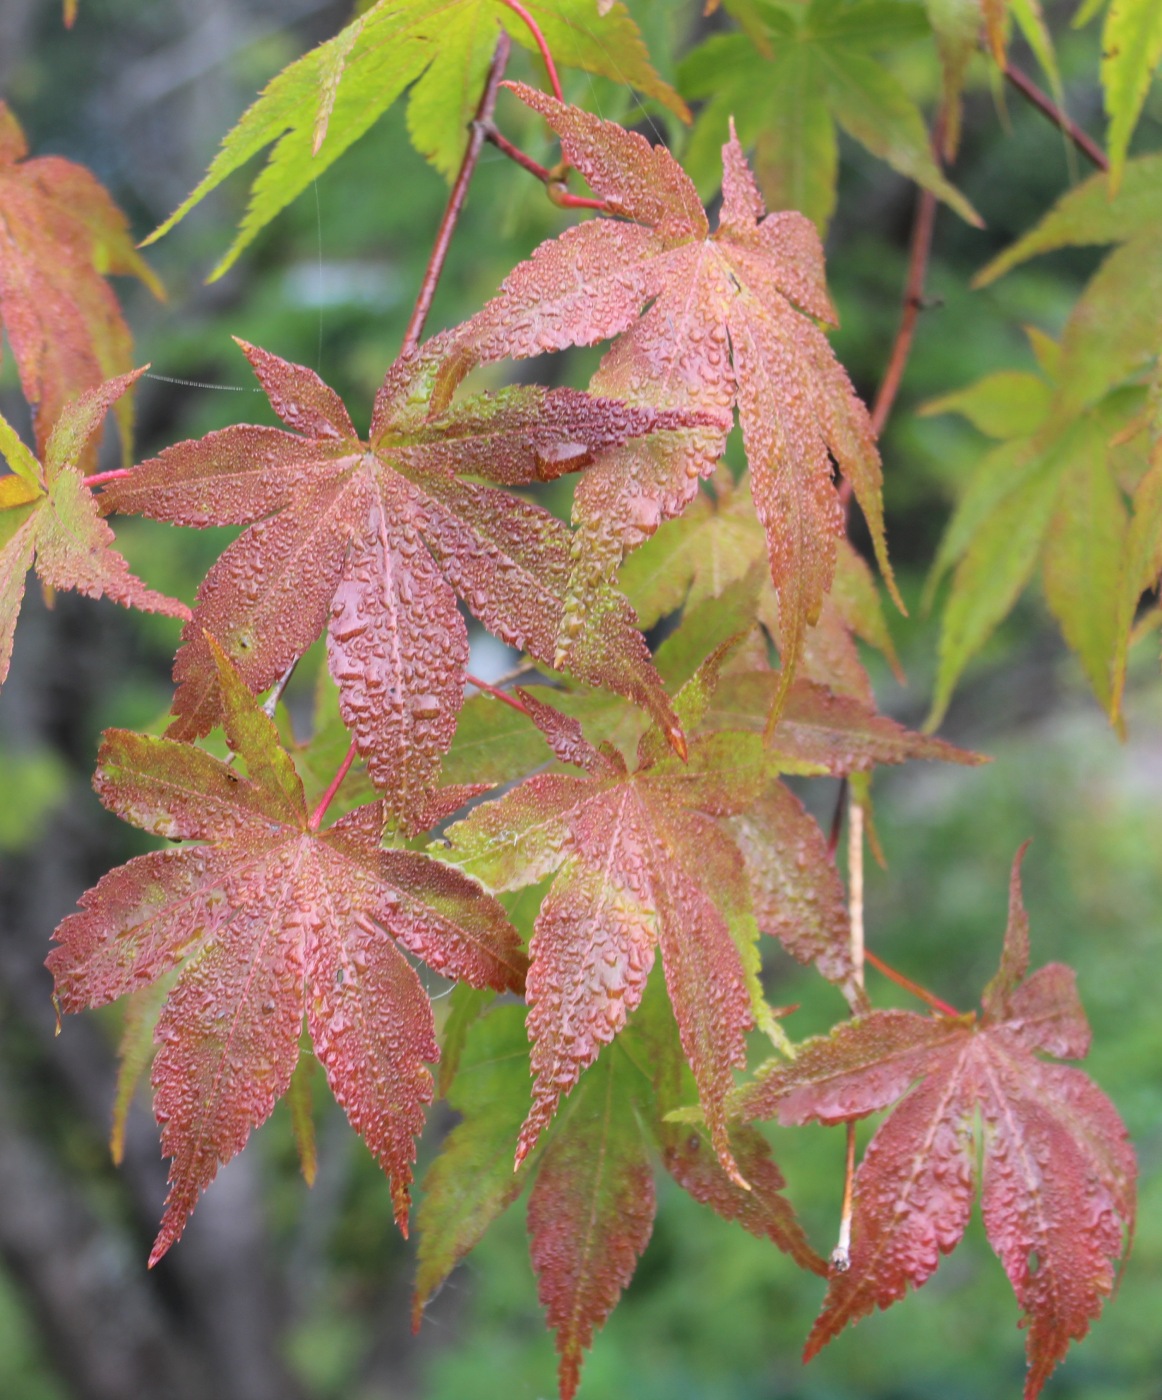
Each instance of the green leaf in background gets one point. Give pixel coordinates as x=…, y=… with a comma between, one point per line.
x=1050, y=492
x=319, y=105
x=801, y=71
x=1131, y=51
x=1115, y=329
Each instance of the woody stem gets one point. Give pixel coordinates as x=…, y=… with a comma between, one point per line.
x=1045, y=104
x=329, y=796
x=476, y=136
x=909, y=986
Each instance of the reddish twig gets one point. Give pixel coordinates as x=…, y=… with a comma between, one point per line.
x=514, y=153
x=102, y=477
x=496, y=693
x=329, y=796
x=1045, y=104
x=476, y=137
x=541, y=43
x=553, y=180
x=909, y=986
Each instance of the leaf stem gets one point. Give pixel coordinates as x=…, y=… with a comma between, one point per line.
x=476, y=137
x=553, y=180
x=541, y=42
x=841, y=1254
x=102, y=477
x=1045, y=104
x=496, y=693
x=909, y=986
x=328, y=797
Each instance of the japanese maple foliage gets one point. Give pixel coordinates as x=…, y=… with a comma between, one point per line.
x=644, y=1003
x=49, y=519
x=1058, y=1172
x=60, y=234
x=272, y=919
x=731, y=321
x=373, y=542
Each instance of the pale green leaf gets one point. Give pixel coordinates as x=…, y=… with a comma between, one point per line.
x=1131, y=51
x=1083, y=557
x=1005, y=405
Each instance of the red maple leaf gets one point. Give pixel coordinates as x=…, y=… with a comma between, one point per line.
x=271, y=919
x=1058, y=1171
x=374, y=541
x=731, y=320
x=641, y=862
x=48, y=518
x=591, y=1207
x=59, y=233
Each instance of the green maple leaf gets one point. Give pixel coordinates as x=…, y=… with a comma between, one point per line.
x=1131, y=52
x=1049, y=495
x=315, y=109
x=798, y=73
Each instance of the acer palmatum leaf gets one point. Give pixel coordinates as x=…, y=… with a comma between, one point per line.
x=50, y=521
x=641, y=863
x=270, y=920
x=1058, y=1188
x=731, y=320
x=60, y=236
x=439, y=49
x=373, y=541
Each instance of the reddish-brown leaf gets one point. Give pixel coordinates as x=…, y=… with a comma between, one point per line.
x=641, y=863
x=591, y=1212
x=49, y=520
x=271, y=920
x=60, y=235
x=1058, y=1173
x=838, y=733
x=374, y=541
x=731, y=320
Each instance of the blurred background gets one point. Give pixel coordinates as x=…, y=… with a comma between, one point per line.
x=280, y=1293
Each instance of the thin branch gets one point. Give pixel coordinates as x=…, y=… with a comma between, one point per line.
x=541, y=43
x=476, y=137
x=514, y=153
x=841, y=1254
x=329, y=796
x=855, y=884
x=909, y=986
x=1045, y=104
x=496, y=693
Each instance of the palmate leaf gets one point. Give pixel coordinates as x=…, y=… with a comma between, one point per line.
x=1131, y=52
x=641, y=863
x=373, y=541
x=1049, y=495
x=270, y=920
x=800, y=71
x=1058, y=1172
x=61, y=235
x=715, y=544
x=49, y=520
x=591, y=1207
x=321, y=104
x=731, y=319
